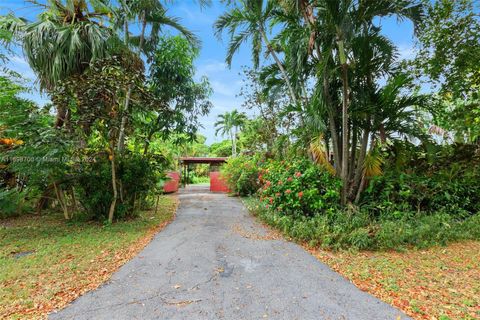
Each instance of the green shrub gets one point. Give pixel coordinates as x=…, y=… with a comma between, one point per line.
x=137, y=177
x=343, y=229
x=429, y=203
x=241, y=174
x=395, y=194
x=298, y=188
x=12, y=203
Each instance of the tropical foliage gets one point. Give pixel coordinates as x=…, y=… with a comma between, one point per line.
x=114, y=94
x=229, y=124
x=381, y=146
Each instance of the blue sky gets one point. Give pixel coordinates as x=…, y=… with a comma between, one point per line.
x=226, y=82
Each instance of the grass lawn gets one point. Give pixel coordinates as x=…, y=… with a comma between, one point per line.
x=437, y=283
x=46, y=262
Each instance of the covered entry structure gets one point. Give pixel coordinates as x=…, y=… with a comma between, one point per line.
x=216, y=183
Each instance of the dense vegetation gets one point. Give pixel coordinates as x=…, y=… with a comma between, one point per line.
x=122, y=106
x=350, y=145
x=355, y=147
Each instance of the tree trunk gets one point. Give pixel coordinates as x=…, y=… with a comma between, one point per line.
x=121, y=137
x=74, y=199
x=280, y=66
x=61, y=116
x=361, y=187
x=345, y=144
x=61, y=201
x=114, y=184
x=332, y=125
x=142, y=34
x=353, y=153
x=382, y=133
x=43, y=201
x=156, y=205
x=361, y=158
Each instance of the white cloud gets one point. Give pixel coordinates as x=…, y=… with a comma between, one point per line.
x=211, y=67
x=224, y=88
x=406, y=52
x=195, y=16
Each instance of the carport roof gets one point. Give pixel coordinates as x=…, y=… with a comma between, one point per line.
x=188, y=160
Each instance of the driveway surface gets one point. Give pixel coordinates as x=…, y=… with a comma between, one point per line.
x=215, y=262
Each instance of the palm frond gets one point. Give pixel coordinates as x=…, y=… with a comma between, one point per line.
x=319, y=153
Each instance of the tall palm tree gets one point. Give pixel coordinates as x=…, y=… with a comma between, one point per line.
x=230, y=123
x=248, y=21
x=67, y=37
x=333, y=27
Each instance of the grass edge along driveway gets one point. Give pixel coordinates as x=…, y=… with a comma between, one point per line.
x=45, y=262
x=437, y=283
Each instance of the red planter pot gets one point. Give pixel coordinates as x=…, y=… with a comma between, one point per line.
x=172, y=184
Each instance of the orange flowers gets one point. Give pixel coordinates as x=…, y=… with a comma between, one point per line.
x=298, y=174
x=11, y=142
x=300, y=194
x=288, y=191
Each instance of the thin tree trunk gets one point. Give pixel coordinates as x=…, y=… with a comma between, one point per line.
x=121, y=137
x=332, y=126
x=361, y=187
x=156, y=205
x=235, y=139
x=345, y=143
x=147, y=142
x=280, y=66
x=361, y=158
x=114, y=184
x=43, y=201
x=61, y=201
x=234, y=151
x=142, y=34
x=74, y=199
x=382, y=133
x=353, y=153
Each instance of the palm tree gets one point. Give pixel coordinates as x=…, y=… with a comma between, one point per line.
x=230, y=123
x=67, y=37
x=333, y=28
x=248, y=21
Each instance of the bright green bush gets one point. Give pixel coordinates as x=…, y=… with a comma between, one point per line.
x=395, y=194
x=137, y=177
x=431, y=203
x=298, y=188
x=12, y=202
x=241, y=174
x=343, y=229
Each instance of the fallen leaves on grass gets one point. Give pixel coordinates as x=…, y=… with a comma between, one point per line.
x=69, y=260
x=437, y=283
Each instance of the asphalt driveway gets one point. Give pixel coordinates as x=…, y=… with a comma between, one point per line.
x=215, y=262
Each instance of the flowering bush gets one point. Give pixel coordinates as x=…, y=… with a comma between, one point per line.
x=298, y=188
x=241, y=175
